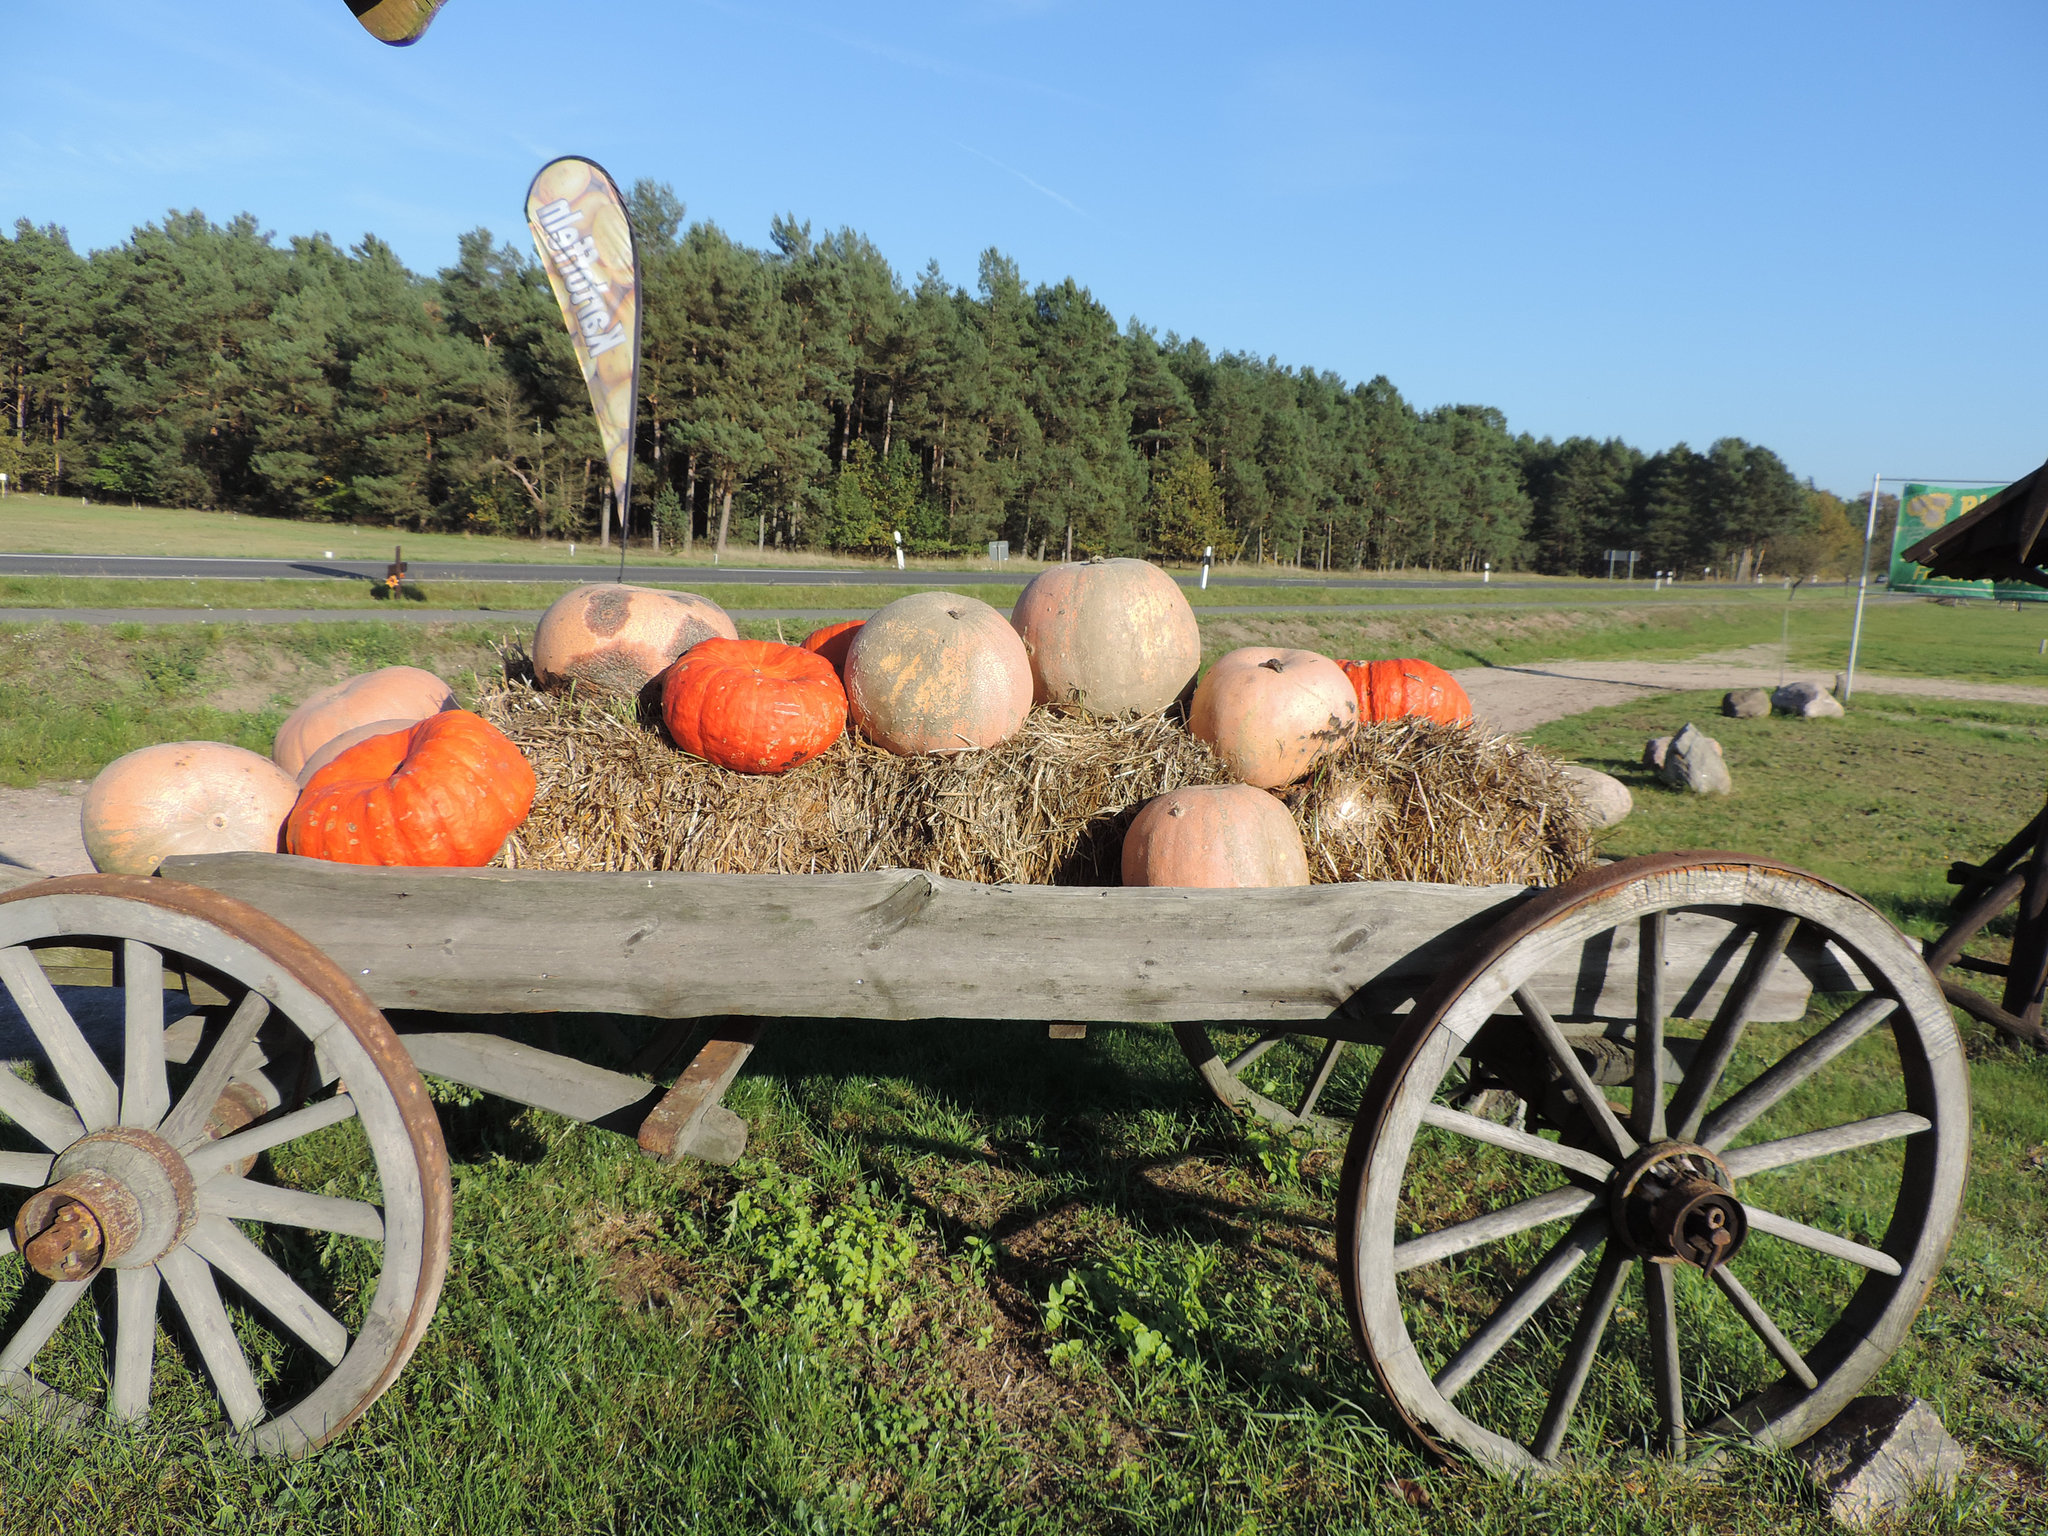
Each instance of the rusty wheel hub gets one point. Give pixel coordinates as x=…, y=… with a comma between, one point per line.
x=1674, y=1203
x=119, y=1198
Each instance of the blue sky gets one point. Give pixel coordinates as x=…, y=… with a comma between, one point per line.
x=1816, y=226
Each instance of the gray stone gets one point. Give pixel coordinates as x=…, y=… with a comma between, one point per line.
x=1809, y=701
x=1654, y=750
x=1603, y=797
x=1877, y=1456
x=1747, y=703
x=1694, y=762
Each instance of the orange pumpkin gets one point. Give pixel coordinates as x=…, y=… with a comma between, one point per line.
x=389, y=693
x=447, y=791
x=1388, y=690
x=831, y=643
x=1109, y=635
x=333, y=749
x=937, y=672
x=183, y=797
x=619, y=638
x=754, y=706
x=1270, y=714
x=1214, y=835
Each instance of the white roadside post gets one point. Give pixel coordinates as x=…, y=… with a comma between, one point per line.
x=1486, y=576
x=899, y=548
x=1208, y=554
x=1862, y=587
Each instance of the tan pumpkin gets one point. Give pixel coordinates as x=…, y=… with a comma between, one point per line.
x=1269, y=714
x=389, y=693
x=183, y=797
x=619, y=638
x=1214, y=835
x=937, y=672
x=1112, y=636
x=329, y=751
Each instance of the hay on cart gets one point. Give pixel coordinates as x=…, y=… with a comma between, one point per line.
x=1409, y=800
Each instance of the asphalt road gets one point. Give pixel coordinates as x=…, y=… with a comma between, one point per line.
x=402, y=613
x=186, y=568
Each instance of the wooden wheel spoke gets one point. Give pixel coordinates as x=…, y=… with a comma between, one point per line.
x=1752, y=1312
x=1761, y=1156
x=1541, y=1284
x=185, y=1126
x=1591, y=1100
x=1326, y=1064
x=1463, y=1236
x=85, y=1080
x=199, y=1304
x=1660, y=1299
x=1255, y=1050
x=25, y=1170
x=1578, y=1360
x=135, y=1298
x=1479, y=1128
x=145, y=1089
x=246, y=1200
x=209, y=1157
x=221, y=1243
x=36, y=1331
x=49, y=1120
x=1646, y=1113
x=1743, y=1108
x=1689, y=1104
x=1846, y=1249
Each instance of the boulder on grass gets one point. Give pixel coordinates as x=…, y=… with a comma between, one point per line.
x=1809, y=701
x=1654, y=750
x=1694, y=762
x=1872, y=1462
x=1603, y=797
x=1747, y=703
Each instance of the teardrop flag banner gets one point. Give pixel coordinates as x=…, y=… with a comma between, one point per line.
x=586, y=243
x=397, y=22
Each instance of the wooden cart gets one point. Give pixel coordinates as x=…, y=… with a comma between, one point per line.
x=181, y=1035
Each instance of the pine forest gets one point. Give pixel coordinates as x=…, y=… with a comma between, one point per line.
x=802, y=396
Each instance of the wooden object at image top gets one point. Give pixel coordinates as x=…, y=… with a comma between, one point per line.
x=899, y=944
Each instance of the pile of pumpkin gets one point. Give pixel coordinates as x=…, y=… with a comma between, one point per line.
x=384, y=769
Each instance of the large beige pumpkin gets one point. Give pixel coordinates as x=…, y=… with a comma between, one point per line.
x=619, y=638
x=937, y=672
x=1271, y=713
x=389, y=693
x=1214, y=835
x=1109, y=635
x=183, y=797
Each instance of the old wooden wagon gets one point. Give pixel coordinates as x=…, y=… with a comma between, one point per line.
x=1774, y=1041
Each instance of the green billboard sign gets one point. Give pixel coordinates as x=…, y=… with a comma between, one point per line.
x=1925, y=509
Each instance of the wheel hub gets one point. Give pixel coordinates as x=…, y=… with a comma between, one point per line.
x=120, y=1198
x=1674, y=1203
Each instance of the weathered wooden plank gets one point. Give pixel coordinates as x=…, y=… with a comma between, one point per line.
x=526, y=1074
x=901, y=945
x=670, y=1131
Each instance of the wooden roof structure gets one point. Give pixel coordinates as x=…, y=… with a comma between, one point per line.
x=1999, y=540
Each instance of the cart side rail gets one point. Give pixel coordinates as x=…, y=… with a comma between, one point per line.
x=899, y=944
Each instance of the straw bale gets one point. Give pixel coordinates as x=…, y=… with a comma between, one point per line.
x=1408, y=801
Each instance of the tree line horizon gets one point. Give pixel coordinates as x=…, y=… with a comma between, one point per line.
x=801, y=395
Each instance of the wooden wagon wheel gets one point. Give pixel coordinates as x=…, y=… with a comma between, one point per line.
x=1763, y=1305
x=128, y=1176
x=1295, y=1068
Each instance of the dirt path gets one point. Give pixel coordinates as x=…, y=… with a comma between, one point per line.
x=1518, y=698
x=39, y=827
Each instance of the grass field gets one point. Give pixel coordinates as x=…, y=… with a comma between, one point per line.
x=934, y=1295
x=971, y=1279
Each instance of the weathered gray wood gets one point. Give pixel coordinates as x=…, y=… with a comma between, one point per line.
x=1741, y=1162
x=905, y=945
x=1464, y=1236
x=526, y=1075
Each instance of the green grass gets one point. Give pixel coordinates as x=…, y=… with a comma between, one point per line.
x=970, y=1279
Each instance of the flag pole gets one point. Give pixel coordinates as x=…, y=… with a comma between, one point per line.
x=1862, y=587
